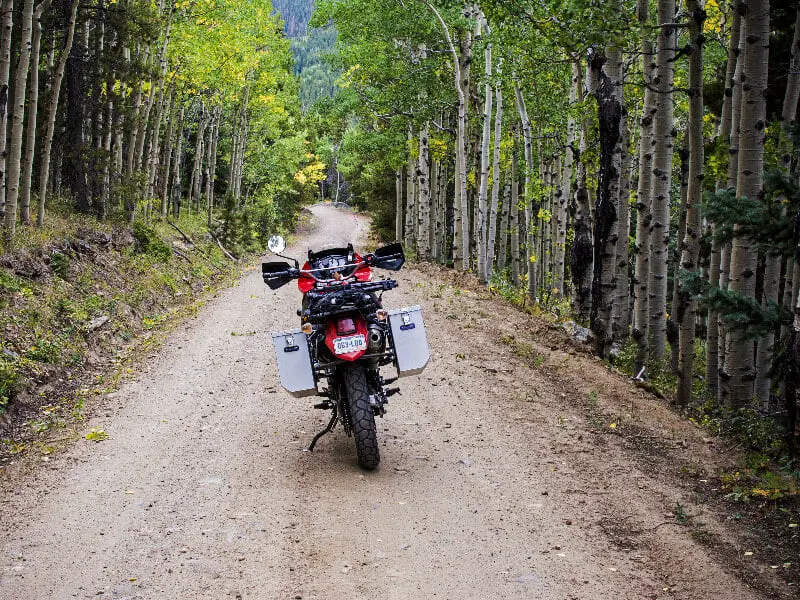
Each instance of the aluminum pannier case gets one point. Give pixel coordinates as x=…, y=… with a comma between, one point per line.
x=410, y=341
x=294, y=363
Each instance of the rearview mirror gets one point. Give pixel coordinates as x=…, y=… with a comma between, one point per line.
x=276, y=244
x=390, y=257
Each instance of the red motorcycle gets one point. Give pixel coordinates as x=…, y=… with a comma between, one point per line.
x=345, y=337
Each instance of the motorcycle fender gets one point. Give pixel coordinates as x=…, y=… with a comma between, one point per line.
x=294, y=363
x=331, y=335
x=410, y=340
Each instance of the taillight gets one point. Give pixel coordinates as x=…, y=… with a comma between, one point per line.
x=345, y=326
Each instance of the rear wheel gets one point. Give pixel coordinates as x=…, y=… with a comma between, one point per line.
x=362, y=417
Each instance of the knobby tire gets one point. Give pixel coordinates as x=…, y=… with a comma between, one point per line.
x=362, y=416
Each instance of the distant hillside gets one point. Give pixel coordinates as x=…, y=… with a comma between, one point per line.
x=317, y=80
x=296, y=14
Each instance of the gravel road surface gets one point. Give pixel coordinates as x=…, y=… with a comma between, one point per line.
x=494, y=482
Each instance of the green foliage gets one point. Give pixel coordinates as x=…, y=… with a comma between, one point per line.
x=763, y=222
x=9, y=379
x=59, y=262
x=755, y=480
x=149, y=242
x=744, y=315
x=45, y=349
x=97, y=435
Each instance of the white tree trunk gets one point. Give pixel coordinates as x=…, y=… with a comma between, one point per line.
x=480, y=223
x=17, y=119
x=514, y=224
x=737, y=388
x=713, y=335
x=687, y=305
x=663, y=136
x=5, y=69
x=33, y=109
x=169, y=145
x=528, y=143
x=424, y=197
x=398, y=221
x=497, y=182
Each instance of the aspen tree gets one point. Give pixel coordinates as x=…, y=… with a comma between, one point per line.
x=514, y=224
x=687, y=305
x=33, y=110
x=496, y=183
x=739, y=370
x=18, y=103
x=424, y=196
x=715, y=268
x=663, y=146
x=5, y=69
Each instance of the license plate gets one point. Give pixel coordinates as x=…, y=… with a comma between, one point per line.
x=346, y=345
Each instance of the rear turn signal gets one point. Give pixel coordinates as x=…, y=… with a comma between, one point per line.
x=382, y=314
x=307, y=328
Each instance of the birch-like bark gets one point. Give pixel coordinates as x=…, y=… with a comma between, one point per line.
x=673, y=337
x=242, y=146
x=606, y=76
x=461, y=149
x=732, y=173
x=17, y=117
x=644, y=215
x=177, y=159
x=715, y=267
x=197, y=168
x=480, y=223
x=772, y=272
x=739, y=371
x=663, y=137
x=530, y=257
x=561, y=216
x=687, y=305
x=211, y=173
x=789, y=115
x=514, y=224
x=398, y=221
x=33, y=110
x=169, y=145
x=502, y=243
x=582, y=255
x=5, y=70
x=424, y=197
x=411, y=196
x=621, y=310
x=165, y=105
x=497, y=182
x=134, y=122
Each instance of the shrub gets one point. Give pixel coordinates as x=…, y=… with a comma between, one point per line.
x=148, y=242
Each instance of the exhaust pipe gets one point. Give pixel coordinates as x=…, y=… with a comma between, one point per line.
x=377, y=340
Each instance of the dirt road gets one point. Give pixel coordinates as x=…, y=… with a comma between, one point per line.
x=500, y=475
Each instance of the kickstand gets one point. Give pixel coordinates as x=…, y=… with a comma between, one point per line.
x=328, y=429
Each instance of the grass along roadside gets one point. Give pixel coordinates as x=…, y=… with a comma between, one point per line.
x=79, y=302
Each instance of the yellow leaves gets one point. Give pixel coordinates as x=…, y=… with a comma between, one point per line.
x=97, y=435
x=312, y=173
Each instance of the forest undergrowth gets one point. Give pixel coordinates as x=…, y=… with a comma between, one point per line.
x=78, y=300
x=749, y=486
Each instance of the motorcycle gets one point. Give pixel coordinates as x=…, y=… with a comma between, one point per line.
x=346, y=337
